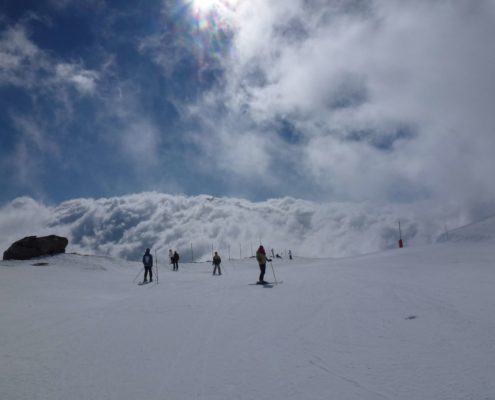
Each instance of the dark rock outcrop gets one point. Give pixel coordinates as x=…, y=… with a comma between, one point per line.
x=33, y=246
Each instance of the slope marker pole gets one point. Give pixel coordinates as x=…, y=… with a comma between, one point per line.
x=156, y=267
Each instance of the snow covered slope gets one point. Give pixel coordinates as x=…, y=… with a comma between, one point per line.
x=416, y=323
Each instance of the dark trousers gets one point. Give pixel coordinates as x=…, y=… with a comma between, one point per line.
x=148, y=270
x=215, y=269
x=176, y=265
x=262, y=274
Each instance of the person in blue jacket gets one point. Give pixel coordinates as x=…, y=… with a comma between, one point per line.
x=148, y=265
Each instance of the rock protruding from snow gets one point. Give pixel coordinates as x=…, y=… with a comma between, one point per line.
x=32, y=246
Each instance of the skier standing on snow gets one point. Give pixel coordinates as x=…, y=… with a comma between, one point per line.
x=148, y=265
x=216, y=262
x=290, y=254
x=175, y=261
x=261, y=258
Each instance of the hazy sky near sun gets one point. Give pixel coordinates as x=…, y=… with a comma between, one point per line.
x=334, y=100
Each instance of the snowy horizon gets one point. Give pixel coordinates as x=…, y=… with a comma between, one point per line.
x=195, y=225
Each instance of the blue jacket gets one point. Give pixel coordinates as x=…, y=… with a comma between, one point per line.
x=148, y=259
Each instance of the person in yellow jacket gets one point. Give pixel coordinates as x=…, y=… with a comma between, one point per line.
x=262, y=259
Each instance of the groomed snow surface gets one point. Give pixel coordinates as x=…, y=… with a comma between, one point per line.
x=416, y=323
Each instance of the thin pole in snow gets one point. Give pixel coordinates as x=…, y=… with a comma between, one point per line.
x=273, y=270
x=156, y=266
x=401, y=244
x=134, y=280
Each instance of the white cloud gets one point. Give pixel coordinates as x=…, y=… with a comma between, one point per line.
x=382, y=94
x=124, y=226
x=84, y=80
x=19, y=57
x=24, y=64
x=23, y=217
x=139, y=141
x=47, y=82
x=31, y=145
x=130, y=127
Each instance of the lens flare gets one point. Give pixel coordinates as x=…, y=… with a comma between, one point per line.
x=211, y=26
x=204, y=5
x=214, y=15
x=221, y=6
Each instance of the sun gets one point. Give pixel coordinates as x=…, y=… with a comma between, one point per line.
x=205, y=6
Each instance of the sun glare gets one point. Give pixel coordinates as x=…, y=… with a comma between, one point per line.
x=205, y=6
x=212, y=23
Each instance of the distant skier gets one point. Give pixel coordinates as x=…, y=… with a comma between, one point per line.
x=261, y=258
x=171, y=256
x=290, y=255
x=148, y=266
x=216, y=262
x=175, y=261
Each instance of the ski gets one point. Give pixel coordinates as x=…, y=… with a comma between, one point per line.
x=267, y=283
x=144, y=283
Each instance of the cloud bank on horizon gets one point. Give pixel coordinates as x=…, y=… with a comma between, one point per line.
x=124, y=226
x=328, y=100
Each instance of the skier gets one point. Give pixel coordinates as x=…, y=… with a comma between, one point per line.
x=216, y=262
x=261, y=258
x=171, y=256
x=148, y=265
x=175, y=261
x=290, y=255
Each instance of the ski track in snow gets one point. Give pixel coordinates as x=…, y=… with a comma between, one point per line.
x=415, y=323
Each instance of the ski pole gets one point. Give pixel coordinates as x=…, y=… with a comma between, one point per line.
x=134, y=280
x=273, y=270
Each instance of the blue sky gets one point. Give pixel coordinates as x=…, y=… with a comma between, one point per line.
x=324, y=100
